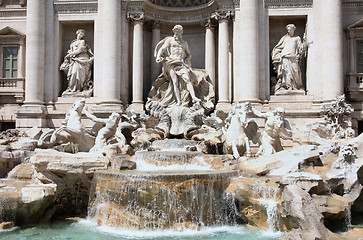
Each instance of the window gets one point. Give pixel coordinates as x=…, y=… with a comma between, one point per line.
x=10, y=62
x=359, y=56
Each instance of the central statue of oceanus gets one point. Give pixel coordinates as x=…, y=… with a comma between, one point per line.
x=179, y=84
x=180, y=91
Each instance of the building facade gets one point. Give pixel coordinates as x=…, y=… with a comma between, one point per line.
x=231, y=39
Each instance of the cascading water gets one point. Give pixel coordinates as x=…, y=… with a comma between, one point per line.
x=268, y=197
x=161, y=200
x=165, y=194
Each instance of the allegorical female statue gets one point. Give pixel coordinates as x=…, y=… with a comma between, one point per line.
x=78, y=67
x=286, y=56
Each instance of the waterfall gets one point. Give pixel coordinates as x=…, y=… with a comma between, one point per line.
x=267, y=196
x=161, y=200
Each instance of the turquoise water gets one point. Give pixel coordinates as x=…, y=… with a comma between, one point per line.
x=88, y=230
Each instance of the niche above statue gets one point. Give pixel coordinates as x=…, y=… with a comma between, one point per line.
x=77, y=66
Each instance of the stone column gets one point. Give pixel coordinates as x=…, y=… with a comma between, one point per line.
x=32, y=113
x=246, y=52
x=328, y=38
x=111, y=75
x=137, y=62
x=223, y=60
x=21, y=60
x=210, y=52
x=155, y=67
x=35, y=52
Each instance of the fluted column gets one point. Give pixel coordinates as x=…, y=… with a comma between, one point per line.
x=210, y=52
x=223, y=60
x=155, y=67
x=35, y=52
x=111, y=75
x=328, y=32
x=246, y=52
x=137, y=62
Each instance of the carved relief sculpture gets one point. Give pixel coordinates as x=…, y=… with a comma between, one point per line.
x=286, y=57
x=78, y=67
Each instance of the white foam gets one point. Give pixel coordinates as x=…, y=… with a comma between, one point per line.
x=129, y=233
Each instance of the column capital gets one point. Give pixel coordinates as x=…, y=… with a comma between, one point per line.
x=135, y=16
x=156, y=24
x=209, y=23
x=222, y=15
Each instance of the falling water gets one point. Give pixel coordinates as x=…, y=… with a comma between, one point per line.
x=161, y=200
x=348, y=219
x=268, y=197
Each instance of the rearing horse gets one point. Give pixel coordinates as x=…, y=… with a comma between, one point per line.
x=239, y=131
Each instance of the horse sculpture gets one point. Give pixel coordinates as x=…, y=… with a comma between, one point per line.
x=239, y=131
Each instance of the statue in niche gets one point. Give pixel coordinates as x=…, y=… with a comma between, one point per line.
x=276, y=126
x=239, y=131
x=179, y=84
x=78, y=67
x=286, y=58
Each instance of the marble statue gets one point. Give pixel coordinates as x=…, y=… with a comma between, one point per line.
x=286, y=57
x=239, y=131
x=71, y=132
x=78, y=67
x=275, y=127
x=179, y=84
x=107, y=131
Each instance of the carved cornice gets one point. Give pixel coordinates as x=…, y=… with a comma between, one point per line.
x=76, y=7
x=350, y=3
x=12, y=12
x=288, y=3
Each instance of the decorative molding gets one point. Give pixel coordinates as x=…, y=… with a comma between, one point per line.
x=179, y=15
x=222, y=15
x=12, y=12
x=135, y=16
x=288, y=3
x=350, y=3
x=157, y=24
x=180, y=3
x=76, y=7
x=209, y=23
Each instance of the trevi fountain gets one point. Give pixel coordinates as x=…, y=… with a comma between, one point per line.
x=184, y=168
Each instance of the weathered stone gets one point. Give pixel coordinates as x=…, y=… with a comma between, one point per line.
x=282, y=162
x=121, y=163
x=332, y=206
x=302, y=215
x=53, y=161
x=22, y=171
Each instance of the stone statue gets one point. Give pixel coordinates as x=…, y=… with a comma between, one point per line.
x=107, y=131
x=275, y=127
x=78, y=67
x=179, y=84
x=239, y=131
x=71, y=131
x=286, y=56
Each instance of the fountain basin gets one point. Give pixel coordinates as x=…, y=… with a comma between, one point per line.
x=161, y=200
